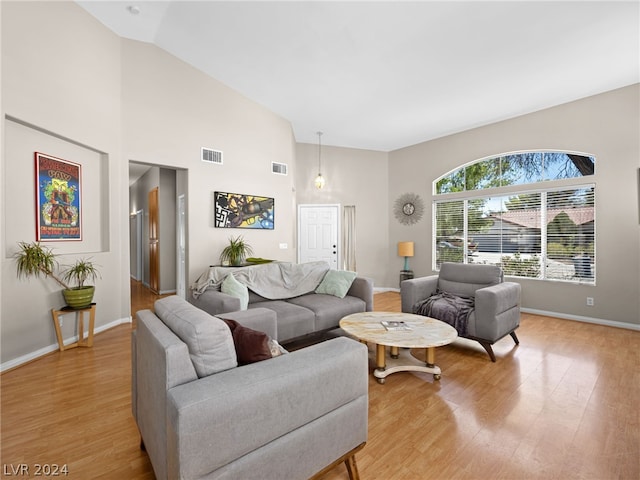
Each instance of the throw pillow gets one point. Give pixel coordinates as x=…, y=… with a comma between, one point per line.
x=233, y=287
x=208, y=339
x=251, y=345
x=276, y=348
x=336, y=282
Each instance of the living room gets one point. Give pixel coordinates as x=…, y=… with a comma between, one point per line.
x=74, y=89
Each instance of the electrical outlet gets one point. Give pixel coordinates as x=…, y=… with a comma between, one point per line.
x=589, y=301
x=283, y=246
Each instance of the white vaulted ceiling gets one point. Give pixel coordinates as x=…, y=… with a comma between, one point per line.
x=383, y=75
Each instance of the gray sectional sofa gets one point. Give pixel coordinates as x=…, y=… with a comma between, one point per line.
x=201, y=416
x=287, y=289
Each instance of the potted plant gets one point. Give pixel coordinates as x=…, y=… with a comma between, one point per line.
x=81, y=295
x=236, y=252
x=34, y=260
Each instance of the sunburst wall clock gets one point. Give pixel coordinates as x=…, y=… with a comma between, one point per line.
x=408, y=208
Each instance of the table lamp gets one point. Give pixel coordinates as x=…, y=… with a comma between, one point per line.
x=405, y=249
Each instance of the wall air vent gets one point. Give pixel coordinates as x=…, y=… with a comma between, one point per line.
x=211, y=156
x=279, y=168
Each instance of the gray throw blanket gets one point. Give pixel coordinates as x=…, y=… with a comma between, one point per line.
x=452, y=309
x=274, y=281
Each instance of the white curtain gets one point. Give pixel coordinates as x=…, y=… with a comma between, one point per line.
x=349, y=238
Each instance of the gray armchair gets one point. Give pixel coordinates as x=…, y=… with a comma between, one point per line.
x=488, y=308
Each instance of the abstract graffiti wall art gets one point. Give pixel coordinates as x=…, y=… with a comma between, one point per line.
x=58, y=200
x=235, y=210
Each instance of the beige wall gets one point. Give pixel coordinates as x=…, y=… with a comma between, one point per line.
x=606, y=126
x=170, y=111
x=354, y=177
x=61, y=81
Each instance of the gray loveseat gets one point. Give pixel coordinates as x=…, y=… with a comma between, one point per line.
x=288, y=290
x=288, y=417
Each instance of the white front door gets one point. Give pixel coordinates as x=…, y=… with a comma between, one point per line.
x=318, y=233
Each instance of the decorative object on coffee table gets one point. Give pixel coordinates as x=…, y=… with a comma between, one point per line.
x=422, y=332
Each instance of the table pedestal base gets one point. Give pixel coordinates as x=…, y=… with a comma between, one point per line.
x=402, y=361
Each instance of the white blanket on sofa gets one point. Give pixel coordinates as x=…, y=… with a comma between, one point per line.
x=274, y=281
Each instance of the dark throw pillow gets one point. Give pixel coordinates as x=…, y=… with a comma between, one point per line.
x=251, y=345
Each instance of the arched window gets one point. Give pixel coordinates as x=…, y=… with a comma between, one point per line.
x=532, y=213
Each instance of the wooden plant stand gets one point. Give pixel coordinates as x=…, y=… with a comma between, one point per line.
x=82, y=342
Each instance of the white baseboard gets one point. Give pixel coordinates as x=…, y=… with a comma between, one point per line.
x=384, y=289
x=16, y=362
x=579, y=318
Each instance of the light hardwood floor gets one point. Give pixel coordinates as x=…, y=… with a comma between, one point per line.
x=562, y=405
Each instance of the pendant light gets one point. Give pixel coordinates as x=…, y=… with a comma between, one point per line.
x=319, y=181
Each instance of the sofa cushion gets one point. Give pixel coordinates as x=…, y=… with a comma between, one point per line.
x=233, y=287
x=465, y=279
x=336, y=282
x=329, y=309
x=208, y=338
x=293, y=320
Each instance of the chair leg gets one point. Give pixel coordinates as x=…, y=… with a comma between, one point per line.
x=487, y=347
x=349, y=460
x=515, y=338
x=352, y=468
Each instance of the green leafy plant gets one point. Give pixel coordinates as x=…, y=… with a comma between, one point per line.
x=34, y=260
x=236, y=252
x=521, y=267
x=81, y=271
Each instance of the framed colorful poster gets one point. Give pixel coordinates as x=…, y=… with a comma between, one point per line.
x=235, y=210
x=58, y=199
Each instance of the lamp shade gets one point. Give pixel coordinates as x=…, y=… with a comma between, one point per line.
x=405, y=249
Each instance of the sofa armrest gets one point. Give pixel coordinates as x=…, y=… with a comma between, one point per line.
x=161, y=361
x=492, y=301
x=362, y=287
x=214, y=302
x=416, y=289
x=134, y=378
x=217, y=419
x=262, y=319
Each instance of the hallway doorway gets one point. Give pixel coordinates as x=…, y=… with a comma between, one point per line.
x=167, y=230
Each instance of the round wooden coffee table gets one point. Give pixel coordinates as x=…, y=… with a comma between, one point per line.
x=425, y=333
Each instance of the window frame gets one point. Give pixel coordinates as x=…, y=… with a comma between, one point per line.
x=543, y=187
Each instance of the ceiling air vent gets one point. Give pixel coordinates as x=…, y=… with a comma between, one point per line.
x=279, y=168
x=211, y=156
